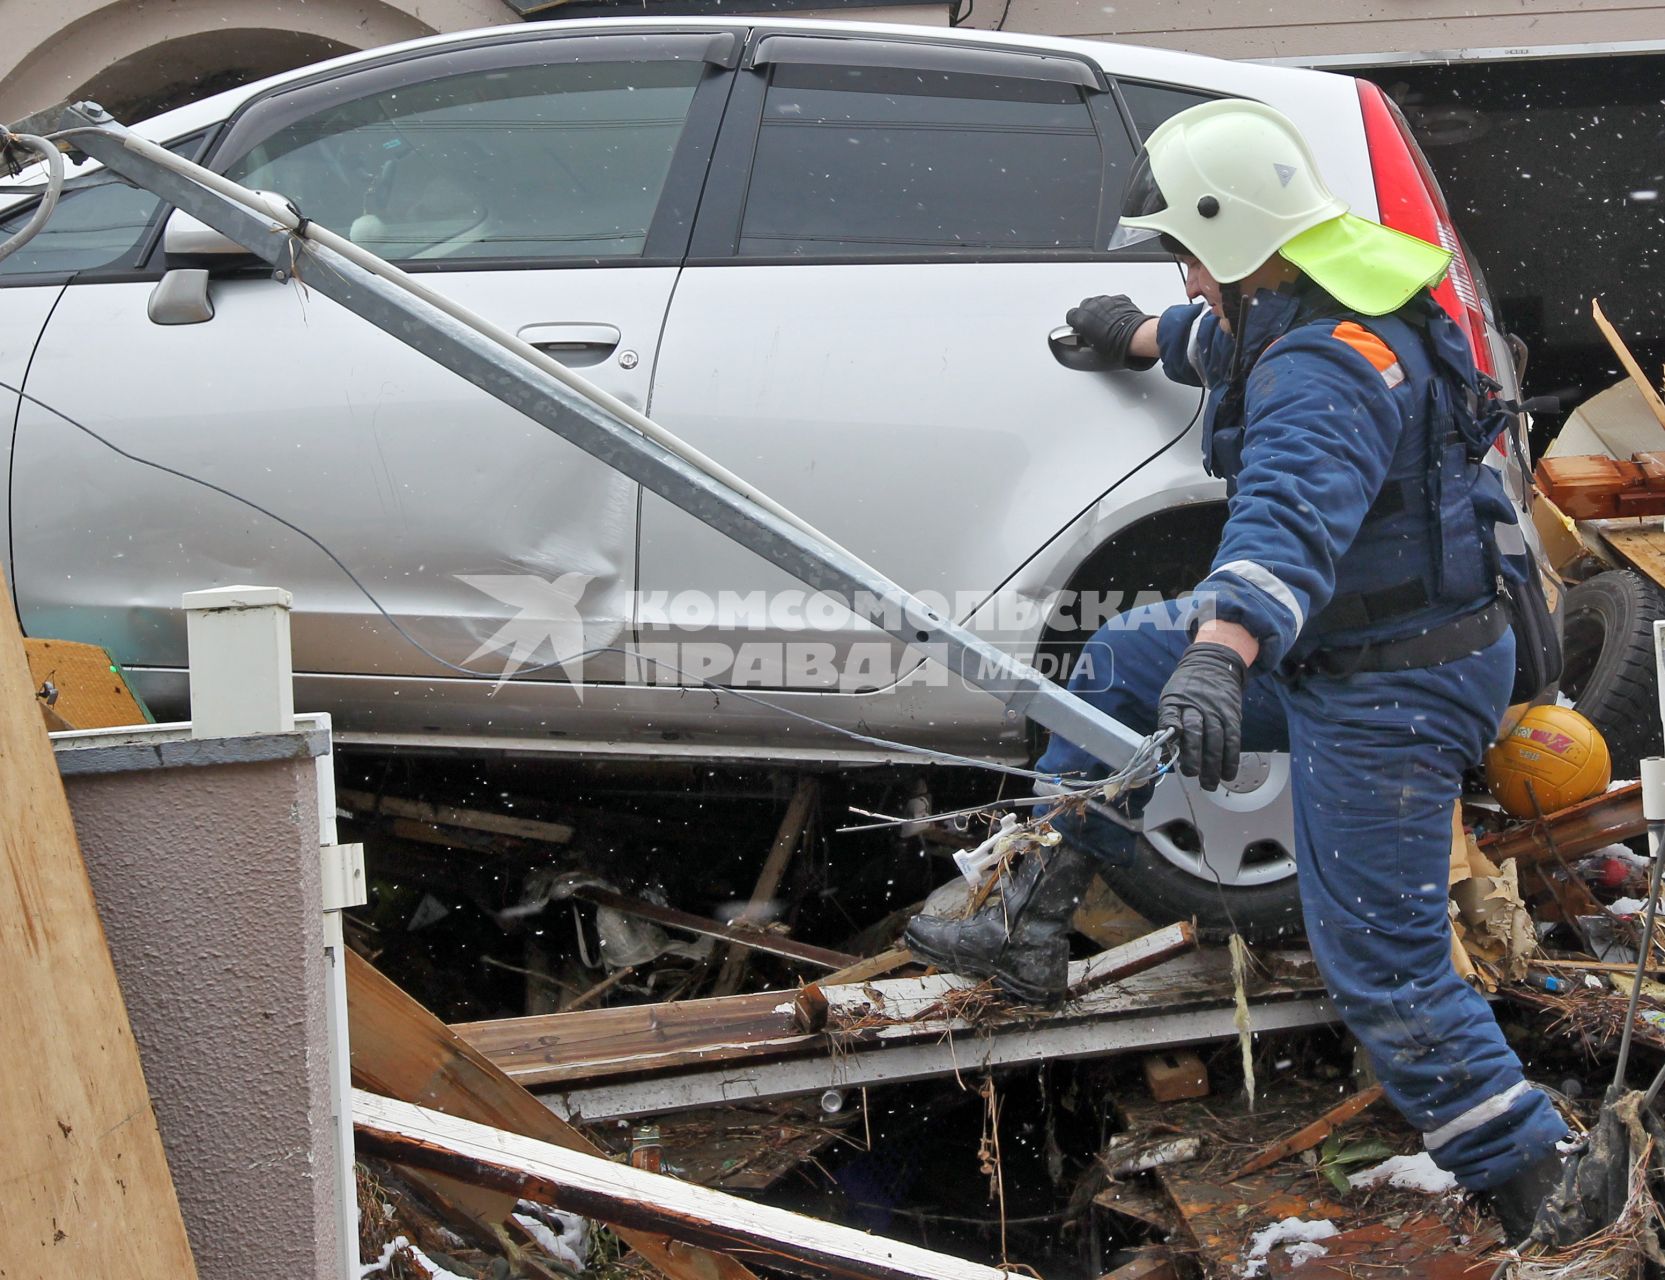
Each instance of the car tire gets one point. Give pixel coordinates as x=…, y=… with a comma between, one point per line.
x=1223, y=859
x=1160, y=892
x=1609, y=672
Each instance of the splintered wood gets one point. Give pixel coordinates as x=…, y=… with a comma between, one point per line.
x=87, y=1188
x=402, y=1050
x=597, y=1188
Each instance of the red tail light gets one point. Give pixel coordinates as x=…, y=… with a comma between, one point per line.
x=1409, y=200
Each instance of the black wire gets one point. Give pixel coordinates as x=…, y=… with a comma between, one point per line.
x=960, y=17
x=867, y=739
x=1001, y=25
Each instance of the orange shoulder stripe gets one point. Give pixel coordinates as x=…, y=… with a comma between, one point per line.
x=1367, y=344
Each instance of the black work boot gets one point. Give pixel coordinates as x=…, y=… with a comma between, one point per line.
x=1021, y=940
x=1522, y=1198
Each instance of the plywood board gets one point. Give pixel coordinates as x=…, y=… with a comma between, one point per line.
x=92, y=691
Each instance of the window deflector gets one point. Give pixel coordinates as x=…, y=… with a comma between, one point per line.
x=839, y=51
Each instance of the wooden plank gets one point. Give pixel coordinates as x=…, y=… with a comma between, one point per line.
x=1311, y=1135
x=663, y=1042
x=87, y=1191
x=597, y=1188
x=1649, y=393
x=446, y=815
x=401, y=1050
x=1572, y=832
x=764, y=892
x=1641, y=546
x=870, y=968
x=753, y=939
x=1159, y=1025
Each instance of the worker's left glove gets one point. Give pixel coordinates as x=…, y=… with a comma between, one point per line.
x=1203, y=704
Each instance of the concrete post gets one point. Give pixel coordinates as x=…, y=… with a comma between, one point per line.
x=242, y=675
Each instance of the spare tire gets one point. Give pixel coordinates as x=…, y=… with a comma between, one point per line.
x=1610, y=674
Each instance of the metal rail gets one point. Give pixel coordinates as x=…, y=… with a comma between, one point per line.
x=551, y=395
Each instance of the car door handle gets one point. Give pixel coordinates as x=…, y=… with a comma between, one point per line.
x=1071, y=350
x=573, y=344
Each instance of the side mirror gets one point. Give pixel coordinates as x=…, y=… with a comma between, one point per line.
x=181, y=297
x=186, y=237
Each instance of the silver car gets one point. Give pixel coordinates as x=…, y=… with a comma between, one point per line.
x=832, y=256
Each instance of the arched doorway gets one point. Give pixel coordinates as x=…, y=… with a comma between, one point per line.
x=169, y=75
x=138, y=59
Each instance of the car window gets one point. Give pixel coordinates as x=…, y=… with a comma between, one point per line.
x=100, y=221
x=888, y=160
x=1151, y=104
x=547, y=161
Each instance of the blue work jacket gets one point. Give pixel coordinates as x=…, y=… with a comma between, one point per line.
x=1347, y=483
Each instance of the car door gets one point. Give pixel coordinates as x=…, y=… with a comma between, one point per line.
x=544, y=181
x=99, y=225
x=892, y=229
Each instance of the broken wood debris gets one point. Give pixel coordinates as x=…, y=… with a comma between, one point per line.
x=761, y=905
x=1311, y=1135
x=1596, y=487
x=403, y=1051
x=446, y=815
x=1572, y=832
x=630, y=1060
x=595, y=1187
x=752, y=939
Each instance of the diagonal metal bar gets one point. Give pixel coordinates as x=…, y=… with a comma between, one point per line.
x=514, y=373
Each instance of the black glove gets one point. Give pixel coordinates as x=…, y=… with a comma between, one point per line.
x=1107, y=324
x=1203, y=704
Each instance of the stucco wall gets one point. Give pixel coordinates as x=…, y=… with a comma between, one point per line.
x=207, y=880
x=134, y=50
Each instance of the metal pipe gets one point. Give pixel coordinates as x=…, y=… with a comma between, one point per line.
x=530, y=382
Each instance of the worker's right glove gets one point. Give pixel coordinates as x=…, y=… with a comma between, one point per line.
x=1203, y=704
x=1107, y=324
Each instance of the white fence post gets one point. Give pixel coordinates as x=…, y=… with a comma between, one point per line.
x=242, y=675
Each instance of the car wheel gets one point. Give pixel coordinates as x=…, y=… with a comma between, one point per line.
x=1609, y=672
x=1225, y=858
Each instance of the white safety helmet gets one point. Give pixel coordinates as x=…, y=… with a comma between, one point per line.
x=1233, y=181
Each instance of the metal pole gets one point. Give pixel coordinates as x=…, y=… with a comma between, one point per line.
x=497, y=363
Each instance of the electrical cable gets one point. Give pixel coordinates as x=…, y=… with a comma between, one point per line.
x=54, y=160
x=944, y=757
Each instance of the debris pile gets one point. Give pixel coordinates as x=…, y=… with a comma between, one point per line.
x=746, y=1025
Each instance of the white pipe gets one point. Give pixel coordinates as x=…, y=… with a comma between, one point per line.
x=287, y=218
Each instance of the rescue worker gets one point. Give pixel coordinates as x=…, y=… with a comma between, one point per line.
x=1351, y=618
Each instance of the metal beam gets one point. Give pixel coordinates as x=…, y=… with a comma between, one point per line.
x=505, y=368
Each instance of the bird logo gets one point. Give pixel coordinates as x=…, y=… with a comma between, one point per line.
x=546, y=616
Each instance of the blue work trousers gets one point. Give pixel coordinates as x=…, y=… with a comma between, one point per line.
x=1377, y=761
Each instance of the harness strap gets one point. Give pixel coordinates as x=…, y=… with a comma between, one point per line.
x=1457, y=639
